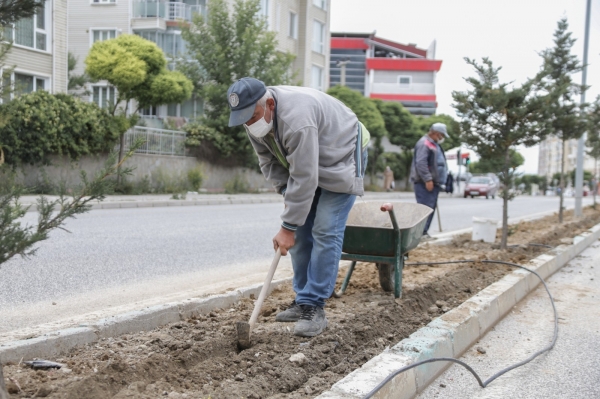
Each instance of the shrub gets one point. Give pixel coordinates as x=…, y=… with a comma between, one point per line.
x=39, y=124
x=195, y=178
x=237, y=185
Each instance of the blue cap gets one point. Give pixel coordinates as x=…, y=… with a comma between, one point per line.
x=242, y=97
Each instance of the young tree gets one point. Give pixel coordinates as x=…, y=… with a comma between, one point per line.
x=566, y=116
x=367, y=112
x=137, y=68
x=76, y=85
x=593, y=141
x=224, y=47
x=495, y=119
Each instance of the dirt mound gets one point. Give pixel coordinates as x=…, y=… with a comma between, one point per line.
x=198, y=358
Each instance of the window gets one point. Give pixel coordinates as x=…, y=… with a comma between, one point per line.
x=318, y=37
x=320, y=3
x=170, y=42
x=264, y=11
x=317, y=78
x=104, y=96
x=31, y=32
x=149, y=111
x=101, y=35
x=103, y=1
x=404, y=80
x=19, y=83
x=293, y=33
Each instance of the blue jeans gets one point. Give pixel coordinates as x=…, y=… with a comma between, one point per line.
x=318, y=247
x=316, y=253
x=428, y=198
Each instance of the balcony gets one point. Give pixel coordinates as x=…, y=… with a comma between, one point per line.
x=169, y=11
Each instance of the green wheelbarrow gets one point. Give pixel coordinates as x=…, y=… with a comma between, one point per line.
x=382, y=234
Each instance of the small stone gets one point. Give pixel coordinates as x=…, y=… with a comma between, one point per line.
x=54, y=303
x=442, y=385
x=433, y=309
x=11, y=387
x=43, y=392
x=441, y=304
x=65, y=370
x=240, y=377
x=446, y=309
x=298, y=358
x=174, y=395
x=481, y=350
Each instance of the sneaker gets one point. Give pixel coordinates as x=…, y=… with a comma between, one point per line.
x=291, y=314
x=312, y=321
x=426, y=237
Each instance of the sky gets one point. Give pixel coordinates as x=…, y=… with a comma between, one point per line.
x=511, y=33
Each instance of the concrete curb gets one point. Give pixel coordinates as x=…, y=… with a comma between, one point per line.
x=171, y=203
x=451, y=334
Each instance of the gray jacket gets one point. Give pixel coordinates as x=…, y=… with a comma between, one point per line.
x=317, y=134
x=429, y=162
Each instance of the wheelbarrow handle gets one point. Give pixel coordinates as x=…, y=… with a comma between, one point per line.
x=388, y=207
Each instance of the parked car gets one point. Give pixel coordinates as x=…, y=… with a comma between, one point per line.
x=481, y=186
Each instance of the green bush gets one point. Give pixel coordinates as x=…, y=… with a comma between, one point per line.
x=237, y=185
x=168, y=183
x=195, y=178
x=40, y=124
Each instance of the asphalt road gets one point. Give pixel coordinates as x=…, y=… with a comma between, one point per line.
x=570, y=370
x=123, y=259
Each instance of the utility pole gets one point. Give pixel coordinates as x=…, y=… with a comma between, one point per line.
x=581, y=142
x=342, y=65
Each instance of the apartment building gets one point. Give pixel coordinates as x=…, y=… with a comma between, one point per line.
x=381, y=68
x=301, y=26
x=39, y=52
x=551, y=155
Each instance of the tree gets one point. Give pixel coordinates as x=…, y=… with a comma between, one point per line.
x=367, y=112
x=402, y=131
x=137, y=68
x=487, y=165
x=565, y=115
x=495, y=119
x=593, y=137
x=76, y=83
x=528, y=180
x=39, y=124
x=222, y=48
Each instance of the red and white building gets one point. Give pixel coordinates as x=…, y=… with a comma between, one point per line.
x=384, y=69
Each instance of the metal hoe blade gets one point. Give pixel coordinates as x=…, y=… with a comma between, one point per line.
x=243, y=328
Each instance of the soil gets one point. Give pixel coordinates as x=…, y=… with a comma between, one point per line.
x=199, y=358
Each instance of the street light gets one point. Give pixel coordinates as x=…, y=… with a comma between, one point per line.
x=581, y=142
x=342, y=64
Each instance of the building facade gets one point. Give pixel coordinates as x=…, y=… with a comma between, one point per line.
x=551, y=155
x=301, y=27
x=386, y=70
x=39, y=52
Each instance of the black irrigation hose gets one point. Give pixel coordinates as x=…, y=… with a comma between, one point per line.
x=485, y=383
x=531, y=244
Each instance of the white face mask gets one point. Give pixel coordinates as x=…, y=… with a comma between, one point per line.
x=440, y=141
x=260, y=128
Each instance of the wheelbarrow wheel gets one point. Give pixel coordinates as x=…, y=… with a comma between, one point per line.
x=386, y=276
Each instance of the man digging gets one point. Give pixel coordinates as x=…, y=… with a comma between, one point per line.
x=312, y=148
